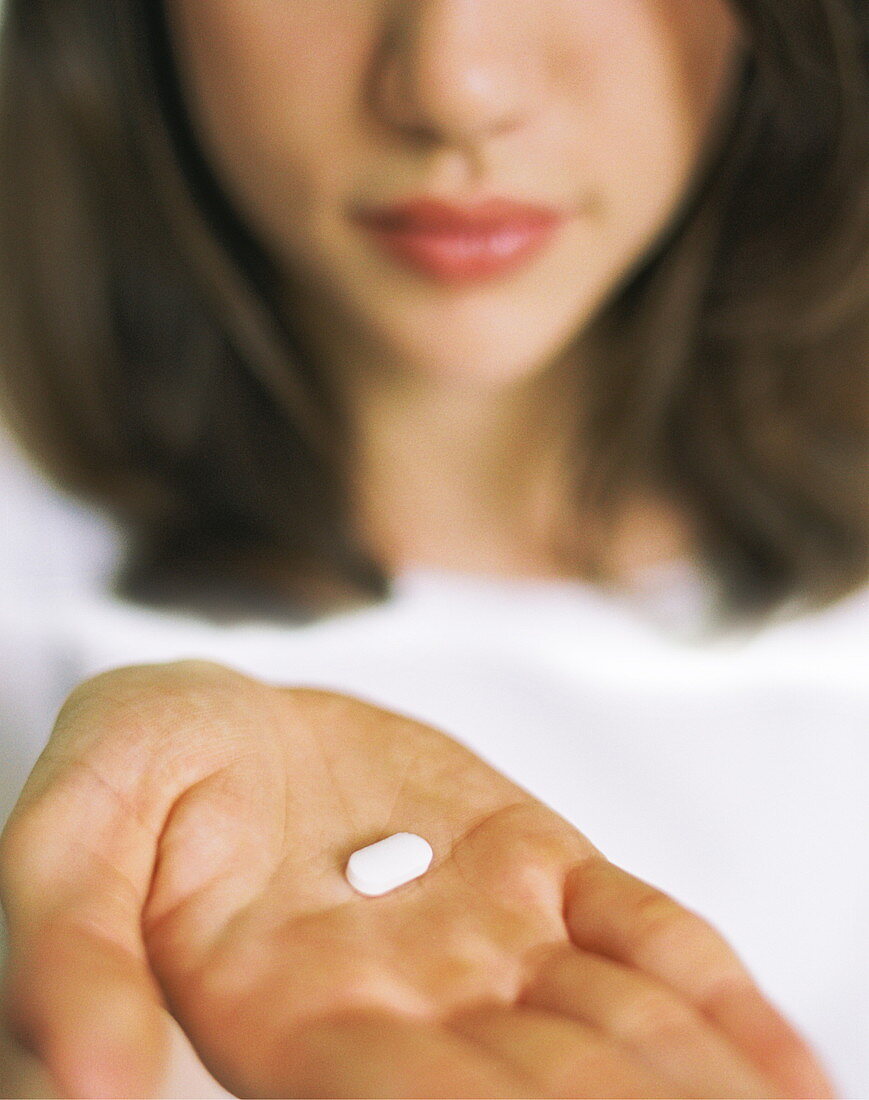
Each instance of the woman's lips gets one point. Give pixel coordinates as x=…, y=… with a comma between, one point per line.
x=458, y=244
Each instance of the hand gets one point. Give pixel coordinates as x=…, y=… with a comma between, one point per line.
x=180, y=848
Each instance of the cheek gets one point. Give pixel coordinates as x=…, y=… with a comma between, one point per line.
x=653, y=74
x=272, y=89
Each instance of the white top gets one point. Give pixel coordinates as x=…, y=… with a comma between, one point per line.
x=731, y=774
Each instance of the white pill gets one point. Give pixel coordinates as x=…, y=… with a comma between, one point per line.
x=390, y=862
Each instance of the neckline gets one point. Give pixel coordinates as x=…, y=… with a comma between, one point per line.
x=673, y=599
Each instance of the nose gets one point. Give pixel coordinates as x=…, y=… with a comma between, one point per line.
x=457, y=72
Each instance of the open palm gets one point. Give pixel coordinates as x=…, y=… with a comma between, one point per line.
x=522, y=963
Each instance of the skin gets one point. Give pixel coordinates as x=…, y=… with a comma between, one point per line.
x=179, y=848
x=602, y=109
x=176, y=856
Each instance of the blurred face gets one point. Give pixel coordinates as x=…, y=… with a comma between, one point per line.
x=452, y=187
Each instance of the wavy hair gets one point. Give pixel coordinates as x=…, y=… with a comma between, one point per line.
x=146, y=365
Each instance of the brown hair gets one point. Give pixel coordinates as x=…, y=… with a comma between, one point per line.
x=147, y=367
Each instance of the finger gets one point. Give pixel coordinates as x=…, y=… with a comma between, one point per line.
x=612, y=913
x=77, y=859
x=80, y=996
x=563, y=1057
x=88, y=1011
x=641, y=1015
x=377, y=1054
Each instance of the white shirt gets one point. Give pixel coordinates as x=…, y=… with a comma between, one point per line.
x=730, y=773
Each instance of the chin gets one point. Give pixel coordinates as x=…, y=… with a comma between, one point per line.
x=473, y=371
x=477, y=360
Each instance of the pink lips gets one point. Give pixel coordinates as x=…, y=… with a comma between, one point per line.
x=457, y=244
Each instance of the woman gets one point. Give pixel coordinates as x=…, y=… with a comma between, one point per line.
x=310, y=293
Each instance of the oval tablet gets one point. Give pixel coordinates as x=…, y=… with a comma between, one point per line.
x=390, y=862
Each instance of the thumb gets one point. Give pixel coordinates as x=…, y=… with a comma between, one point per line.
x=88, y=1011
